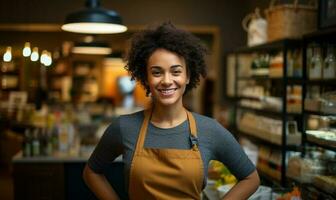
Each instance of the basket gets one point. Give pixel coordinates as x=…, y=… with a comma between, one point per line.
x=290, y=20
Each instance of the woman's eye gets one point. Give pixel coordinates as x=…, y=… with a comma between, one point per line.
x=176, y=72
x=156, y=73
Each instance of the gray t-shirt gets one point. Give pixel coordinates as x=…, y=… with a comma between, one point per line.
x=215, y=143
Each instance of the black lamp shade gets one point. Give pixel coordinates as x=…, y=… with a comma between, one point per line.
x=94, y=48
x=94, y=20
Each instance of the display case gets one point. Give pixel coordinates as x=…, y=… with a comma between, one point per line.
x=268, y=98
x=319, y=106
x=285, y=98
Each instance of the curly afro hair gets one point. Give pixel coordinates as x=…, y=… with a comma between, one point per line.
x=166, y=36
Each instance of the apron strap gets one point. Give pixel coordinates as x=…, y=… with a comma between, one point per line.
x=143, y=130
x=193, y=131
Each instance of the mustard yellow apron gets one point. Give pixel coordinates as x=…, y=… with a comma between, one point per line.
x=166, y=173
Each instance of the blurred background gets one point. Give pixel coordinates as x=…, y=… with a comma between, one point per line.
x=271, y=83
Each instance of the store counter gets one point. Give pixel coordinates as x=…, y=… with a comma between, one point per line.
x=59, y=177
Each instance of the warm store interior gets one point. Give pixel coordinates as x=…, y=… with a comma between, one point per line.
x=277, y=97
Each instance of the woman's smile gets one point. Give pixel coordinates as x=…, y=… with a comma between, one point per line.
x=167, y=92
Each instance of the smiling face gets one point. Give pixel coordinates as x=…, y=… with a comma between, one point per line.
x=167, y=77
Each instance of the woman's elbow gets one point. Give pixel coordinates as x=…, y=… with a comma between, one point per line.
x=86, y=173
x=255, y=179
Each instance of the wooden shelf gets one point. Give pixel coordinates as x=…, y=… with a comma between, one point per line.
x=320, y=143
x=275, y=45
x=268, y=142
x=318, y=113
x=268, y=111
x=290, y=80
x=321, y=82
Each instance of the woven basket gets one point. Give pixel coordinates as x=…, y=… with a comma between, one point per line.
x=290, y=20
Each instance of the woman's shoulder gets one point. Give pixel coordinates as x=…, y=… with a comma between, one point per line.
x=207, y=123
x=204, y=120
x=137, y=114
x=131, y=120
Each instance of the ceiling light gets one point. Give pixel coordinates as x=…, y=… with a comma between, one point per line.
x=26, y=50
x=97, y=48
x=7, y=57
x=35, y=55
x=94, y=20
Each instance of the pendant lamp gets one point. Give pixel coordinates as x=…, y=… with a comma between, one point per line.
x=94, y=20
x=93, y=48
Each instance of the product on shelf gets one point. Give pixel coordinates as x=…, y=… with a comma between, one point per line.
x=276, y=66
x=260, y=65
x=294, y=99
x=329, y=102
x=329, y=65
x=294, y=63
x=269, y=162
x=323, y=137
x=304, y=170
x=313, y=104
x=244, y=62
x=266, y=128
x=326, y=183
x=315, y=62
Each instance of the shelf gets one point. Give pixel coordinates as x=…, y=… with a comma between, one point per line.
x=16, y=73
x=318, y=113
x=10, y=89
x=268, y=143
x=290, y=80
x=55, y=75
x=320, y=144
x=321, y=35
x=321, y=82
x=267, y=111
x=249, y=97
x=275, y=45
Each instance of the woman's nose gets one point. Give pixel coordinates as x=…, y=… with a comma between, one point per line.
x=166, y=79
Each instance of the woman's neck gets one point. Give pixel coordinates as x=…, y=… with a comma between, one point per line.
x=168, y=116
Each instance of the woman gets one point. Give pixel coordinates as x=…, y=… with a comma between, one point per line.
x=166, y=149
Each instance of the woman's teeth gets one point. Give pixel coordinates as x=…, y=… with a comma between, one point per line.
x=167, y=91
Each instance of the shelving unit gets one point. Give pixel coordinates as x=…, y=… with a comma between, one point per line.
x=308, y=139
x=283, y=46
x=322, y=37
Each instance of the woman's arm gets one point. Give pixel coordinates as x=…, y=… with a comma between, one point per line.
x=244, y=188
x=99, y=185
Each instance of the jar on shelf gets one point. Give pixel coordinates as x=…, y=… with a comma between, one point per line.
x=315, y=63
x=329, y=65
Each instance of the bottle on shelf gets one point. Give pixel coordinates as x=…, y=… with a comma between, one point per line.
x=49, y=144
x=36, y=143
x=329, y=65
x=43, y=142
x=27, y=145
x=315, y=63
x=54, y=139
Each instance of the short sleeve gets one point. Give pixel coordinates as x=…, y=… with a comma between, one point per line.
x=108, y=148
x=229, y=152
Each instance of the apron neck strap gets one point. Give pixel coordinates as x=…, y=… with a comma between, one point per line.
x=143, y=130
